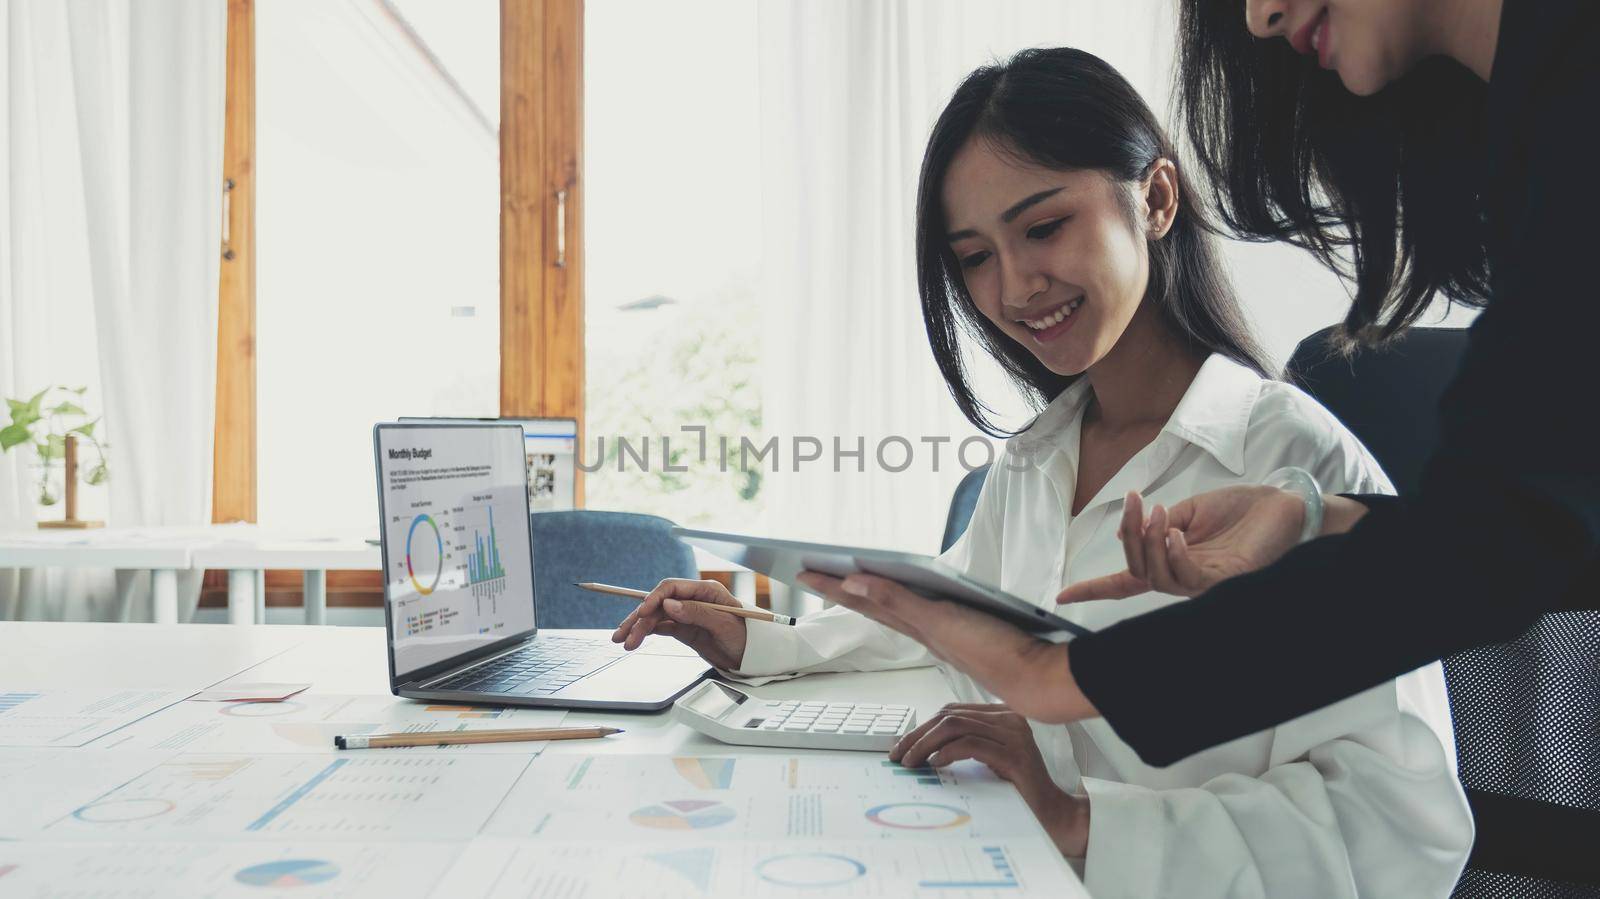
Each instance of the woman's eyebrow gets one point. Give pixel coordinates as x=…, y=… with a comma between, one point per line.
x=1021, y=206
x=1010, y=215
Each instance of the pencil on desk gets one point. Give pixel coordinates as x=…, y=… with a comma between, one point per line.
x=463, y=737
x=737, y=611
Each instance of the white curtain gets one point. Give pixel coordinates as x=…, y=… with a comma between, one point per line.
x=849, y=93
x=109, y=238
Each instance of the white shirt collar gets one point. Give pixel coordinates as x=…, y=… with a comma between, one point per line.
x=1214, y=415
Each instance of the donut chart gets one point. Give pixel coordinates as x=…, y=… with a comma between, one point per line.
x=917, y=816
x=810, y=870
x=425, y=556
x=119, y=811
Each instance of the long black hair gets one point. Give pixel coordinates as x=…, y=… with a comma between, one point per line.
x=1291, y=155
x=1068, y=110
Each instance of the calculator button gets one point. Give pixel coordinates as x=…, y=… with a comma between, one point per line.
x=864, y=706
x=826, y=727
x=819, y=706
x=854, y=729
x=881, y=729
x=753, y=722
x=772, y=725
x=897, y=708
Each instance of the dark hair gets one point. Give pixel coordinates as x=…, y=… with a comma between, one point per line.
x=1291, y=155
x=1068, y=110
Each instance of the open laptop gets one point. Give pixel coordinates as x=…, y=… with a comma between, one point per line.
x=458, y=584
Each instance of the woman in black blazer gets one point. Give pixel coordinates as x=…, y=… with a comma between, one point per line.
x=1442, y=147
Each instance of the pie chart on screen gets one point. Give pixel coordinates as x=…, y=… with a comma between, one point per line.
x=288, y=872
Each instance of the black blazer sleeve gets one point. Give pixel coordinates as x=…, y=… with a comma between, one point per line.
x=1505, y=525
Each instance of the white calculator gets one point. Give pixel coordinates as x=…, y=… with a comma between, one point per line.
x=719, y=711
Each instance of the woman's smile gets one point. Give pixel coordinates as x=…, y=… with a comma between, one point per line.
x=1053, y=323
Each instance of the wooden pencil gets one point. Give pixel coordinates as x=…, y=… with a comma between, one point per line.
x=465, y=737
x=737, y=611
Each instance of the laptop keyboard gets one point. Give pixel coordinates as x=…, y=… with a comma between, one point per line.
x=542, y=668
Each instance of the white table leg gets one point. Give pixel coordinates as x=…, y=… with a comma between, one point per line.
x=314, y=587
x=744, y=587
x=241, y=596
x=261, y=596
x=126, y=582
x=164, y=595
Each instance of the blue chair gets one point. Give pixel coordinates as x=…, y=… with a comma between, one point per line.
x=624, y=549
x=961, y=506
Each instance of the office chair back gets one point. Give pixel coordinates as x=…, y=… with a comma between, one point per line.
x=961, y=506
x=619, y=548
x=1526, y=712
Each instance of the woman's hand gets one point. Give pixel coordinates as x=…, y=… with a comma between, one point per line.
x=1200, y=541
x=1000, y=738
x=716, y=636
x=1030, y=675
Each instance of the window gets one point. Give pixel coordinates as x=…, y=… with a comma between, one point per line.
x=377, y=233
x=673, y=236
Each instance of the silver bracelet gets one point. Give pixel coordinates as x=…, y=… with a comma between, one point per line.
x=1302, y=484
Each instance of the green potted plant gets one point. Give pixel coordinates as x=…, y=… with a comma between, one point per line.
x=54, y=423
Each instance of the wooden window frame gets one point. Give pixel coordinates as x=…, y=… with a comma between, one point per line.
x=541, y=253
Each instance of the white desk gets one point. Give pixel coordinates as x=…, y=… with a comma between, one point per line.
x=352, y=660
x=246, y=552
x=161, y=551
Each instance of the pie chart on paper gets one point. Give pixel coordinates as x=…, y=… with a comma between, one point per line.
x=289, y=872
x=683, y=814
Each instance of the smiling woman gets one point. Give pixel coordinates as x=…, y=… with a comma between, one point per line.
x=1055, y=225
x=1023, y=217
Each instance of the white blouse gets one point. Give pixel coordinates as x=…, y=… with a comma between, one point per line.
x=1357, y=799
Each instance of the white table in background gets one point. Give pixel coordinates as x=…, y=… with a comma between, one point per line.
x=247, y=554
x=161, y=551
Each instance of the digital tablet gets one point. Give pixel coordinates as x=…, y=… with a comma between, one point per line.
x=783, y=560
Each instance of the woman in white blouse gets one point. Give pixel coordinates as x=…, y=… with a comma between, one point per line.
x=1056, y=230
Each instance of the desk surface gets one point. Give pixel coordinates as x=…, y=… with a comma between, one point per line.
x=352, y=661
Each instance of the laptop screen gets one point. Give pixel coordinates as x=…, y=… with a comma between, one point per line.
x=459, y=568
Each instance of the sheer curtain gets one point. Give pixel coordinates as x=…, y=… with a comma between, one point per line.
x=849, y=93
x=109, y=237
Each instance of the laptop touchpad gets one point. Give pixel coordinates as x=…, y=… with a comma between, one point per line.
x=638, y=679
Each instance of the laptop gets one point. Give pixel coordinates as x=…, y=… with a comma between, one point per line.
x=458, y=584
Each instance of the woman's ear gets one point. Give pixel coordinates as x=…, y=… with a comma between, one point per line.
x=1160, y=194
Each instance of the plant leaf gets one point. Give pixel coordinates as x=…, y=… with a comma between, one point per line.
x=13, y=435
x=67, y=408
x=97, y=475
x=80, y=391
x=36, y=402
x=86, y=429
x=54, y=447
